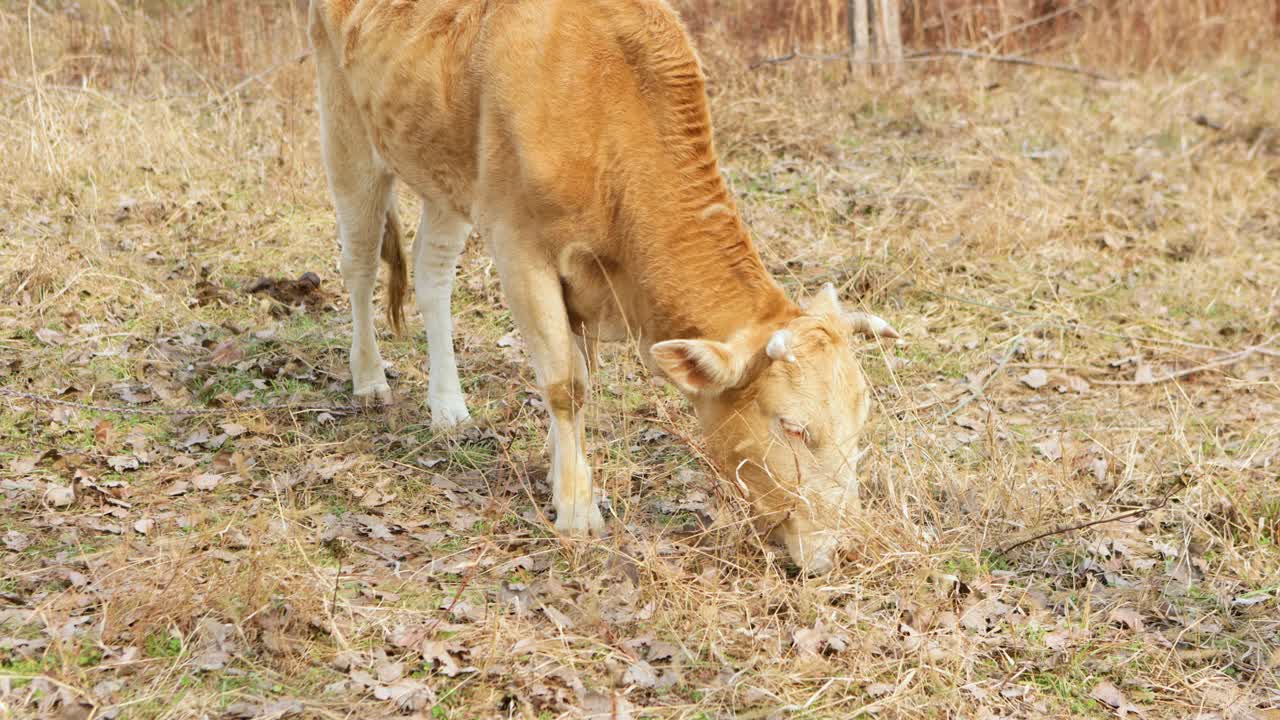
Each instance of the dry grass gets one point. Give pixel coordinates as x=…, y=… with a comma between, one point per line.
x=1021, y=228
x=1114, y=33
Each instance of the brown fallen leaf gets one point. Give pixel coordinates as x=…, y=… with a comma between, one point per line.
x=818, y=640
x=49, y=336
x=228, y=352
x=206, y=481
x=1035, y=378
x=1128, y=617
x=233, y=429
x=640, y=674
x=1108, y=694
x=59, y=495
x=598, y=706
x=16, y=541
x=1050, y=449
x=26, y=464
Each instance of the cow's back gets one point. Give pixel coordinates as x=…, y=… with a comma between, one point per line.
x=544, y=103
x=407, y=68
x=582, y=122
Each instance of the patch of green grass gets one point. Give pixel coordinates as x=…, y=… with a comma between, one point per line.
x=89, y=657
x=453, y=543
x=950, y=365
x=1072, y=690
x=680, y=519
x=112, y=369
x=162, y=645
x=229, y=382
x=306, y=330
x=471, y=456
x=962, y=566
x=287, y=386
x=994, y=561
x=16, y=669
x=1035, y=634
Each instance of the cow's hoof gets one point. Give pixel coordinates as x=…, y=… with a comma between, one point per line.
x=374, y=395
x=448, y=414
x=580, y=520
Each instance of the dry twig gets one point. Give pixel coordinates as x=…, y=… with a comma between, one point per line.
x=1036, y=21
x=1009, y=59
x=256, y=77
x=976, y=392
x=926, y=55
x=1064, y=529
x=1221, y=362
x=180, y=412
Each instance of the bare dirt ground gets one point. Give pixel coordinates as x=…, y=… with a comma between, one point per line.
x=1087, y=276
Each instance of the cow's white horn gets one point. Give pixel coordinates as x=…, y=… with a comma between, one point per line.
x=779, y=347
x=871, y=325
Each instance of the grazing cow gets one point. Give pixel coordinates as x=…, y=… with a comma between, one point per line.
x=574, y=135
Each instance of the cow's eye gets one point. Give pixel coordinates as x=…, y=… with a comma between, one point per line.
x=794, y=430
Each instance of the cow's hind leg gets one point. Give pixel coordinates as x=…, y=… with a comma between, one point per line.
x=442, y=234
x=361, y=186
x=532, y=288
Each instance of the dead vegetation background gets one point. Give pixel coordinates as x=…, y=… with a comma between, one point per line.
x=1085, y=272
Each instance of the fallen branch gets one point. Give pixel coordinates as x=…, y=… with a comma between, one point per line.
x=462, y=587
x=926, y=55
x=1062, y=530
x=977, y=392
x=991, y=41
x=796, y=55
x=255, y=77
x=1076, y=327
x=971, y=391
x=1221, y=362
x=937, y=401
x=131, y=410
x=1010, y=59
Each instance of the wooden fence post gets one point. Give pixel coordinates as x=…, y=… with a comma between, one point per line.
x=875, y=35
x=891, y=35
x=859, y=34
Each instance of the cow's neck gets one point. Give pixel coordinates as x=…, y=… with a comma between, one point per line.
x=703, y=278
x=696, y=270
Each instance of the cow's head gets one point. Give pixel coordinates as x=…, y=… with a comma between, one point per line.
x=782, y=409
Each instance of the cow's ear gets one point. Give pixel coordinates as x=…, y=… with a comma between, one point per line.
x=700, y=367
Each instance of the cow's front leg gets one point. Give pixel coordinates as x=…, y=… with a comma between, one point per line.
x=441, y=237
x=533, y=291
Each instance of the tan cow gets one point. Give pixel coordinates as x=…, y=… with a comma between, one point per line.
x=574, y=135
